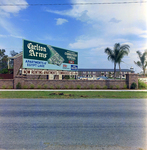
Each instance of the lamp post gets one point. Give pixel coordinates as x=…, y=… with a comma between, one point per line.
x=20, y=71
x=132, y=70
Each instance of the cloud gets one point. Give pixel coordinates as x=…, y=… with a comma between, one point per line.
x=13, y=9
x=3, y=36
x=87, y=42
x=14, y=36
x=17, y=36
x=105, y=12
x=6, y=11
x=106, y=15
x=83, y=16
x=61, y=21
x=105, y=25
x=114, y=20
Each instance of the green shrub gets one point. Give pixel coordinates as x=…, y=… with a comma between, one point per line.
x=141, y=85
x=51, y=87
x=45, y=86
x=66, y=77
x=133, y=85
x=71, y=86
x=25, y=87
x=125, y=86
x=91, y=86
x=117, y=86
x=39, y=87
x=58, y=86
x=18, y=86
x=78, y=86
x=105, y=87
x=32, y=86
x=10, y=87
x=85, y=87
x=66, y=86
x=111, y=86
x=4, y=71
x=97, y=87
x=3, y=87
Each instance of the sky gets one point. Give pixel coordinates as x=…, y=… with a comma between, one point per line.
x=85, y=28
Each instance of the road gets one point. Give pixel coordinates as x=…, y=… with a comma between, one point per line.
x=66, y=124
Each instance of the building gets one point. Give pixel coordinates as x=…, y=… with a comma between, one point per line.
x=81, y=72
x=102, y=72
x=41, y=78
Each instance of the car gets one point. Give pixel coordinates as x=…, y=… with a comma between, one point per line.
x=102, y=78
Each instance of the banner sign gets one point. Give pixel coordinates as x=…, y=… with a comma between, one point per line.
x=42, y=56
x=47, y=72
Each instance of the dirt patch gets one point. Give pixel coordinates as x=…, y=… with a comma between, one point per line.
x=84, y=96
x=60, y=93
x=55, y=93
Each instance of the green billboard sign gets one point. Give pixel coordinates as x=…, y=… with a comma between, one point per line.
x=42, y=56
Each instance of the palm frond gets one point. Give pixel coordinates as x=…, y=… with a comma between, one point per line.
x=138, y=63
x=110, y=54
x=139, y=53
x=125, y=47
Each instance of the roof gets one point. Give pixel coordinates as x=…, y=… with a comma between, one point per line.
x=103, y=70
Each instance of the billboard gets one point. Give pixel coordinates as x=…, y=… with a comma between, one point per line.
x=42, y=56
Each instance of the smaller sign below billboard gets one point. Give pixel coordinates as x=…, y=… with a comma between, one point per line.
x=74, y=67
x=47, y=72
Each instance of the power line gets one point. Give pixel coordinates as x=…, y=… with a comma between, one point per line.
x=137, y=2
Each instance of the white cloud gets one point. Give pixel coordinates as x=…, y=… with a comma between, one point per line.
x=13, y=9
x=7, y=25
x=87, y=42
x=6, y=11
x=4, y=36
x=106, y=12
x=114, y=20
x=61, y=21
x=127, y=15
x=107, y=25
x=14, y=36
x=17, y=36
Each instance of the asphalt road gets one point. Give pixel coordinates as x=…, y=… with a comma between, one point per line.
x=73, y=124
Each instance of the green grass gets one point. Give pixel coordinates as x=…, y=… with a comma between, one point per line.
x=72, y=94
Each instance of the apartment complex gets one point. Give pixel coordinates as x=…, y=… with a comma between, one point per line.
x=102, y=72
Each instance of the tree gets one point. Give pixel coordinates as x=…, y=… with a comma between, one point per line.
x=142, y=63
x=3, y=60
x=123, y=50
x=13, y=53
x=11, y=61
x=116, y=55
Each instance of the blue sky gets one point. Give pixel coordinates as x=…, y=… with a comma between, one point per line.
x=87, y=29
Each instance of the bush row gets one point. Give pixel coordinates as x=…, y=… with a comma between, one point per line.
x=141, y=85
x=18, y=86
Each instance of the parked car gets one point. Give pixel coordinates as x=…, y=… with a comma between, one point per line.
x=102, y=78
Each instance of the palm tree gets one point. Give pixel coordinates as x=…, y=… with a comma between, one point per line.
x=142, y=63
x=117, y=54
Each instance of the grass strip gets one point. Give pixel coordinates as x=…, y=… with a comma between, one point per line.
x=72, y=94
